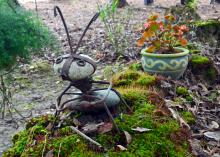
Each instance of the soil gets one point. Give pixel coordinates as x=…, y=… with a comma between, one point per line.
x=36, y=91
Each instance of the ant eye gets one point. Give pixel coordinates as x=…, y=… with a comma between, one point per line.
x=59, y=60
x=81, y=63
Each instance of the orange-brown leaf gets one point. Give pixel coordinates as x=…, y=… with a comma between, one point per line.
x=176, y=28
x=169, y=18
x=141, y=41
x=151, y=49
x=147, y=34
x=183, y=28
x=153, y=18
x=183, y=41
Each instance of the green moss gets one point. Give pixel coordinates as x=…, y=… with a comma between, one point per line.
x=20, y=141
x=136, y=66
x=188, y=117
x=145, y=81
x=182, y=91
x=40, y=66
x=207, y=23
x=199, y=60
x=65, y=131
x=41, y=121
x=134, y=78
x=211, y=74
x=189, y=98
x=134, y=96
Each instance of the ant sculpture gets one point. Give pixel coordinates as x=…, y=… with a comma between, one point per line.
x=78, y=70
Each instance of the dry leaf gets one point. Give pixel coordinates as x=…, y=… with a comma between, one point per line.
x=92, y=127
x=121, y=148
x=128, y=137
x=106, y=127
x=139, y=129
x=50, y=153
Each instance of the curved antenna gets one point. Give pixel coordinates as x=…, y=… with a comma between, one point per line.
x=84, y=32
x=56, y=8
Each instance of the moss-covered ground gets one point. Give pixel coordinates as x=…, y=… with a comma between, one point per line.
x=164, y=139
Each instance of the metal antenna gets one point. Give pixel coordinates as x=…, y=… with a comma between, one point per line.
x=56, y=8
x=84, y=32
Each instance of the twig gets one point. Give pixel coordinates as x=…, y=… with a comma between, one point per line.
x=85, y=136
x=59, y=149
x=45, y=142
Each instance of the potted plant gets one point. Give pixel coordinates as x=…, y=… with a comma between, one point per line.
x=165, y=53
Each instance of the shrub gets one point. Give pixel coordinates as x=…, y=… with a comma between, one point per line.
x=21, y=34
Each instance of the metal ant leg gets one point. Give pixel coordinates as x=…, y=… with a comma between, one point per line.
x=61, y=95
x=58, y=106
x=111, y=118
x=119, y=95
x=122, y=99
x=103, y=102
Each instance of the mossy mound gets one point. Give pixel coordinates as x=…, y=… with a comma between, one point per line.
x=133, y=78
x=208, y=23
x=165, y=137
x=208, y=32
x=204, y=67
x=199, y=60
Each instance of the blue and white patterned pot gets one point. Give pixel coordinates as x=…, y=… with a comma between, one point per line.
x=173, y=65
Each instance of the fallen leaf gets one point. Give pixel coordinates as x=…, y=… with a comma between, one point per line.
x=139, y=129
x=128, y=137
x=104, y=128
x=214, y=125
x=49, y=127
x=121, y=148
x=212, y=135
x=90, y=128
x=50, y=153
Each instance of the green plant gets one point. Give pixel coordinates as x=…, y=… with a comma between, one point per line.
x=116, y=24
x=192, y=3
x=163, y=36
x=21, y=34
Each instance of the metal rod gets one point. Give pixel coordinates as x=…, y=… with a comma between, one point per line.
x=84, y=32
x=56, y=8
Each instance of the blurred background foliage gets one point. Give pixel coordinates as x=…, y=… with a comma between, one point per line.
x=22, y=34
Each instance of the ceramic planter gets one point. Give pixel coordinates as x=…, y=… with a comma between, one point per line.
x=172, y=65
